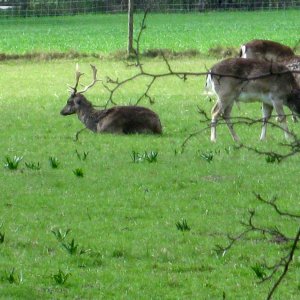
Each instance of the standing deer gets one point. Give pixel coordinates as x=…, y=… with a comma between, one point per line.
x=248, y=80
x=273, y=52
x=118, y=119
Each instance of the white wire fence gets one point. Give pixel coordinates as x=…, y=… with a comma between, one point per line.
x=28, y=8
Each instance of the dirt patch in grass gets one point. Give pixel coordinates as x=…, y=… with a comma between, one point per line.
x=157, y=53
x=223, y=52
x=218, y=52
x=47, y=56
x=118, y=55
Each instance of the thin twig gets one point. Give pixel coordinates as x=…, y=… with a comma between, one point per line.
x=272, y=204
x=286, y=266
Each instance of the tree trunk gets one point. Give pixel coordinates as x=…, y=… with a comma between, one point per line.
x=130, y=49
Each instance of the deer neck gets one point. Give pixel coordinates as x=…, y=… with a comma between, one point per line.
x=87, y=115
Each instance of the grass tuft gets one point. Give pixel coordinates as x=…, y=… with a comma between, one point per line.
x=71, y=248
x=118, y=253
x=208, y=156
x=59, y=234
x=2, y=235
x=33, y=165
x=54, y=163
x=150, y=157
x=12, y=277
x=61, y=277
x=12, y=163
x=78, y=172
x=259, y=271
x=182, y=225
x=82, y=156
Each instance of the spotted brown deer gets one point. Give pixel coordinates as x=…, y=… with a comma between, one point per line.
x=118, y=119
x=273, y=52
x=247, y=80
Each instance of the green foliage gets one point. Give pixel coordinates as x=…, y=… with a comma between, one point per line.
x=12, y=277
x=71, y=247
x=150, y=156
x=78, y=172
x=12, y=163
x=182, y=225
x=2, y=235
x=33, y=165
x=61, y=277
x=118, y=253
x=82, y=156
x=208, y=156
x=271, y=158
x=259, y=271
x=59, y=234
x=54, y=163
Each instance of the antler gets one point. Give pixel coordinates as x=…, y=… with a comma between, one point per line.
x=78, y=74
x=93, y=82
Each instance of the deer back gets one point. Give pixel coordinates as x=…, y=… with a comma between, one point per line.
x=129, y=119
x=236, y=77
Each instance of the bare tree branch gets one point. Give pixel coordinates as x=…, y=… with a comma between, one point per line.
x=286, y=265
x=278, y=237
x=272, y=204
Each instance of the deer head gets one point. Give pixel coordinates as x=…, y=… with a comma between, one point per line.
x=77, y=101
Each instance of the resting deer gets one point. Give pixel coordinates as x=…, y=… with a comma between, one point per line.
x=247, y=80
x=118, y=119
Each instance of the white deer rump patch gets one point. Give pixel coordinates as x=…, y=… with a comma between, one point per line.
x=243, y=49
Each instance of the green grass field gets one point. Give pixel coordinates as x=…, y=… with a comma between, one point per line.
x=108, y=33
x=122, y=215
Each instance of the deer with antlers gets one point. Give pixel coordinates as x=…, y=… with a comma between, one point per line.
x=247, y=80
x=118, y=119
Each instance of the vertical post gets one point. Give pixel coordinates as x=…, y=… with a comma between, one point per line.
x=130, y=28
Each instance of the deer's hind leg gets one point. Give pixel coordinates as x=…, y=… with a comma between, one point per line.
x=281, y=118
x=215, y=114
x=110, y=125
x=267, y=112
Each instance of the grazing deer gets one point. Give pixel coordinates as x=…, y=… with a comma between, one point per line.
x=118, y=119
x=248, y=80
x=273, y=52
x=266, y=50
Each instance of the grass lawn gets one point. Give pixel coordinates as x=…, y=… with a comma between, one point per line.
x=108, y=33
x=124, y=214
x=123, y=241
